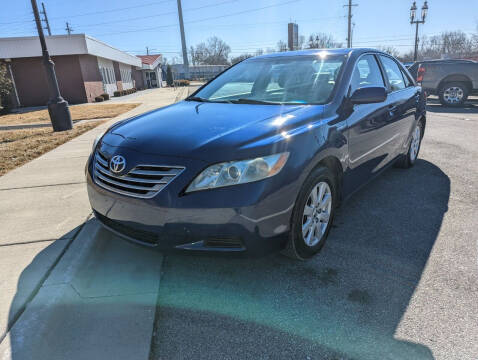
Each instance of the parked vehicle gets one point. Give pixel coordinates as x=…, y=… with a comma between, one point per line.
x=452, y=80
x=259, y=158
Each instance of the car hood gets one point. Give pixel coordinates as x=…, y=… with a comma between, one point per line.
x=208, y=130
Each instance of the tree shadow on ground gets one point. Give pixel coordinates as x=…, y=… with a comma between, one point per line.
x=346, y=303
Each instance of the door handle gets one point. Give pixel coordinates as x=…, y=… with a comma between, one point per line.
x=392, y=109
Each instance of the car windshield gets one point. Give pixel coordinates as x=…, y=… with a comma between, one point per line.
x=276, y=80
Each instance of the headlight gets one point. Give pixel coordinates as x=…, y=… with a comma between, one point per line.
x=98, y=138
x=239, y=172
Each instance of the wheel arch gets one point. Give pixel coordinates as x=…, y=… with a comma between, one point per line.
x=335, y=166
x=456, y=78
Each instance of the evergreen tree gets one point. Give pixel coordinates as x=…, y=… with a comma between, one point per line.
x=169, y=76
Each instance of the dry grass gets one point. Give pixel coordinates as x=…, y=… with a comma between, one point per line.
x=20, y=146
x=78, y=112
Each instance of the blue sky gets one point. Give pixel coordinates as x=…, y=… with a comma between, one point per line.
x=245, y=25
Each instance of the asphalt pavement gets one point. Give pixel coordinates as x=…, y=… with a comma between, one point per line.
x=397, y=278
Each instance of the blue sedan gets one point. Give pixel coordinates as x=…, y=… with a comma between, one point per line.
x=259, y=158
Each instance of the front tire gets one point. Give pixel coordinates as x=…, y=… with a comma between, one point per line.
x=408, y=160
x=313, y=215
x=453, y=94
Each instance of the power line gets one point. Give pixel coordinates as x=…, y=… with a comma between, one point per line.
x=155, y=15
x=201, y=20
x=94, y=12
x=116, y=10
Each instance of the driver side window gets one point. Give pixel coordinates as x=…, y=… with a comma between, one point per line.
x=366, y=73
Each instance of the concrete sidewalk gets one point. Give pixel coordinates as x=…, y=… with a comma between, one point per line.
x=54, y=268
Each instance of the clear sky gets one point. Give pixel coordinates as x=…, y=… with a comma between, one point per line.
x=245, y=25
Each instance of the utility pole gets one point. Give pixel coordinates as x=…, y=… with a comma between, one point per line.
x=413, y=11
x=68, y=28
x=45, y=19
x=349, y=23
x=183, y=41
x=57, y=106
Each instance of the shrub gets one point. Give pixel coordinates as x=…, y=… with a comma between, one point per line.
x=117, y=93
x=6, y=89
x=99, y=99
x=105, y=96
x=181, y=82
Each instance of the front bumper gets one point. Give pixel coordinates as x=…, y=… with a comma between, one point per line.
x=250, y=218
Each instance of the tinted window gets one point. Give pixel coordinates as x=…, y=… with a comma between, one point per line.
x=366, y=73
x=408, y=82
x=393, y=72
x=281, y=80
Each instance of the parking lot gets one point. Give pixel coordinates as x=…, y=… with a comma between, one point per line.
x=397, y=279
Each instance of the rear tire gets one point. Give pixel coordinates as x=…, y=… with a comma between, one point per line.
x=312, y=219
x=453, y=94
x=408, y=160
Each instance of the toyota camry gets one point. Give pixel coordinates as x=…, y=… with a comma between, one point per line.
x=259, y=158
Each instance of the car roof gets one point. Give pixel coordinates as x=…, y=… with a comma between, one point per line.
x=340, y=51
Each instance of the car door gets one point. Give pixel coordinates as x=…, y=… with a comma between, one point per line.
x=403, y=98
x=367, y=132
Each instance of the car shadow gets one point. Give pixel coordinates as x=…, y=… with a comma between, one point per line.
x=346, y=303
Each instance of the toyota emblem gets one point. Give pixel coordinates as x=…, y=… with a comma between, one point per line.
x=117, y=164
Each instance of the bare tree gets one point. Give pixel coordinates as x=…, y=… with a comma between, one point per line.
x=281, y=46
x=214, y=52
x=322, y=41
x=239, y=58
x=301, y=43
x=449, y=44
x=389, y=49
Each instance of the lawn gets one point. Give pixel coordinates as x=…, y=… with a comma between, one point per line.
x=19, y=146
x=78, y=112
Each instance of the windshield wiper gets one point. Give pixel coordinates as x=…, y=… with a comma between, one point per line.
x=197, y=98
x=200, y=99
x=252, y=101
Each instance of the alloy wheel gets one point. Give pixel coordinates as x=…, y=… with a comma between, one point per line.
x=316, y=214
x=453, y=95
x=415, y=144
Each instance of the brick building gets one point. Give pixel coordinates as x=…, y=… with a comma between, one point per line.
x=85, y=68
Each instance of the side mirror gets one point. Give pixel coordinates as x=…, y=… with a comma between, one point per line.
x=369, y=95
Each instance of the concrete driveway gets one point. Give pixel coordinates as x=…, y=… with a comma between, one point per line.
x=397, y=279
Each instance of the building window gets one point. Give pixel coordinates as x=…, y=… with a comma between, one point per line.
x=107, y=75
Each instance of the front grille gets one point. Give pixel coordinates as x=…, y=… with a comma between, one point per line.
x=143, y=181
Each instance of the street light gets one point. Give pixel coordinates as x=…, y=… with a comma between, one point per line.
x=413, y=13
x=57, y=106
